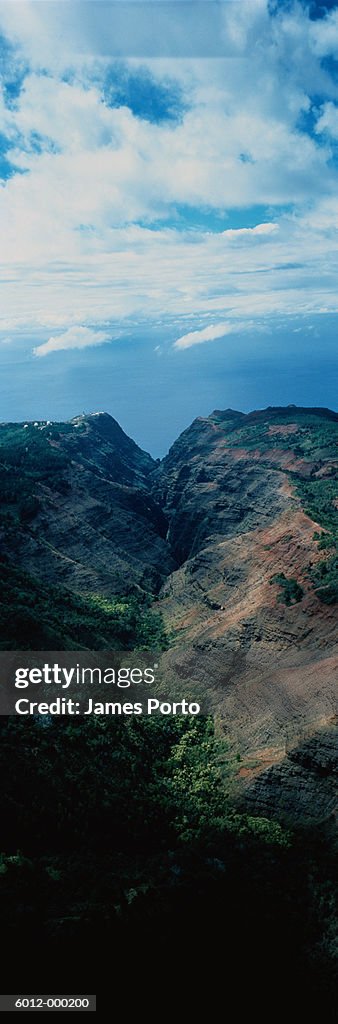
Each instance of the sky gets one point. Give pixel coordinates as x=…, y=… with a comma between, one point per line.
x=168, y=209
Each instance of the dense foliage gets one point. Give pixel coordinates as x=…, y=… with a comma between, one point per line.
x=34, y=616
x=115, y=831
x=291, y=591
x=115, y=828
x=25, y=461
x=324, y=576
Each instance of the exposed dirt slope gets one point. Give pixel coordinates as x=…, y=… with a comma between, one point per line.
x=235, y=528
x=229, y=488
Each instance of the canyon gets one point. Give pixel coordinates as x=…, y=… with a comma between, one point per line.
x=231, y=537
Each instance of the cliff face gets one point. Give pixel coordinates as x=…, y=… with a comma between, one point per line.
x=246, y=497
x=95, y=526
x=209, y=490
x=235, y=530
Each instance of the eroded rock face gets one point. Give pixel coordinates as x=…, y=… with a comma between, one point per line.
x=228, y=488
x=97, y=528
x=208, y=529
x=207, y=492
x=302, y=787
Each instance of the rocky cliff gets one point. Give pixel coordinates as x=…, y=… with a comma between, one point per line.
x=235, y=531
x=77, y=508
x=251, y=506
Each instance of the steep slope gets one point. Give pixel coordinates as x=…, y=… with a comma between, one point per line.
x=221, y=475
x=251, y=507
x=237, y=531
x=76, y=508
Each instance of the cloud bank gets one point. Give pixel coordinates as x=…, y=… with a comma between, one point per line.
x=75, y=337
x=206, y=334
x=134, y=188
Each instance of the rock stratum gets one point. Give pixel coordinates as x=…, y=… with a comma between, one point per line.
x=235, y=531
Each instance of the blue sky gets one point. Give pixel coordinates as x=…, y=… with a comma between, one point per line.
x=168, y=208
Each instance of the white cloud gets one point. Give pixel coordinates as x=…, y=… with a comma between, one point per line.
x=80, y=239
x=324, y=34
x=258, y=230
x=74, y=117
x=207, y=334
x=75, y=337
x=328, y=120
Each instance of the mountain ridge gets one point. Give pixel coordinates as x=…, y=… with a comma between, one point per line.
x=102, y=416
x=233, y=535
x=215, y=480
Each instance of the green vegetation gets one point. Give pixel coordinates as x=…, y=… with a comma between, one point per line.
x=324, y=576
x=34, y=616
x=114, y=830
x=292, y=592
x=27, y=460
x=314, y=440
x=318, y=499
x=325, y=541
